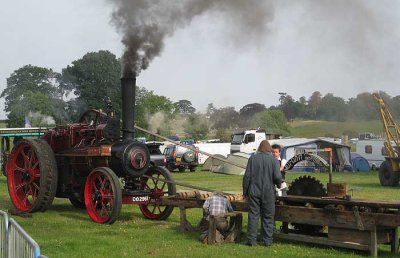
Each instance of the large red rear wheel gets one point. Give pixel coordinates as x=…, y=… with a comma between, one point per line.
x=32, y=175
x=159, y=181
x=103, y=195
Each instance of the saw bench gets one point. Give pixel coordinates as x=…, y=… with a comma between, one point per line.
x=345, y=223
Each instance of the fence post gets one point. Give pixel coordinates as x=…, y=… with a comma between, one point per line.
x=3, y=234
x=20, y=244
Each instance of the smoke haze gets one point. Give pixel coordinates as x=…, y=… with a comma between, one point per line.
x=156, y=122
x=145, y=24
x=38, y=119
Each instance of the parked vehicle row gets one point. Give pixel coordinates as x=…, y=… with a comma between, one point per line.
x=173, y=157
x=180, y=158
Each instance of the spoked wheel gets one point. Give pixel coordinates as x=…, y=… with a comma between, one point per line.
x=32, y=175
x=103, y=196
x=155, y=181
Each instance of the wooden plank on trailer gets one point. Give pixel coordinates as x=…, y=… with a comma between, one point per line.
x=321, y=241
x=357, y=236
x=353, y=202
x=341, y=219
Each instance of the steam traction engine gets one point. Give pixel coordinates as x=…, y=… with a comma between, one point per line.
x=92, y=165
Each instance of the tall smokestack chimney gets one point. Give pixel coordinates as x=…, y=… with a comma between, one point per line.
x=128, y=91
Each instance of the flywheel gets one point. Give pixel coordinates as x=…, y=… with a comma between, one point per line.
x=307, y=186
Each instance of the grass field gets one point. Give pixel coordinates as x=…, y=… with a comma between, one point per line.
x=312, y=129
x=64, y=231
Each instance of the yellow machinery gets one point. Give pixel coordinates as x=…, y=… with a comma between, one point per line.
x=389, y=171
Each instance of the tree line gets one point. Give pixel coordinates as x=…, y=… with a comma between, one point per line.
x=332, y=108
x=33, y=90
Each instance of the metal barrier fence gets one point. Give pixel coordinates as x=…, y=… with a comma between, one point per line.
x=14, y=241
x=3, y=234
x=20, y=244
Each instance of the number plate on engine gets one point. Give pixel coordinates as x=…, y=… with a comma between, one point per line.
x=140, y=199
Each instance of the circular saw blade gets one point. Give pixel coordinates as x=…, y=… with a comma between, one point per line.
x=307, y=186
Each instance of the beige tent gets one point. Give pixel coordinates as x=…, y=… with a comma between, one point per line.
x=212, y=162
x=218, y=166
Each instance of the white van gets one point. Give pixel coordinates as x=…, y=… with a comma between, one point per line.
x=372, y=150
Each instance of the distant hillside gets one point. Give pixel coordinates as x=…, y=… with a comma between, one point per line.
x=312, y=129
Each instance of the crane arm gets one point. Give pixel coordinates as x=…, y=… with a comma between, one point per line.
x=391, y=131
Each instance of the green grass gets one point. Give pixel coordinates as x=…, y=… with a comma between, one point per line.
x=64, y=231
x=312, y=129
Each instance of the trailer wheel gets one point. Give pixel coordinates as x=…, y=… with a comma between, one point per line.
x=32, y=175
x=155, y=182
x=103, y=195
x=387, y=176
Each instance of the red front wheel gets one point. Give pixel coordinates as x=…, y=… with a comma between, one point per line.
x=103, y=196
x=32, y=175
x=159, y=181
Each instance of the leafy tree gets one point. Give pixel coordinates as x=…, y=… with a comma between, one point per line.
x=249, y=110
x=148, y=104
x=197, y=126
x=313, y=104
x=37, y=102
x=184, y=106
x=332, y=108
x=362, y=107
x=395, y=107
x=301, y=108
x=303, y=100
x=210, y=109
x=289, y=107
x=32, y=89
x=223, y=134
x=91, y=78
x=29, y=78
x=226, y=117
x=272, y=120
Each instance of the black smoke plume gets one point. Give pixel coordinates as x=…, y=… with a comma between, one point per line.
x=145, y=24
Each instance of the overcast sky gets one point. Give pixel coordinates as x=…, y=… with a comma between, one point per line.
x=339, y=47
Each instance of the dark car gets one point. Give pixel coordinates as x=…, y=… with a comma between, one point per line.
x=181, y=158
